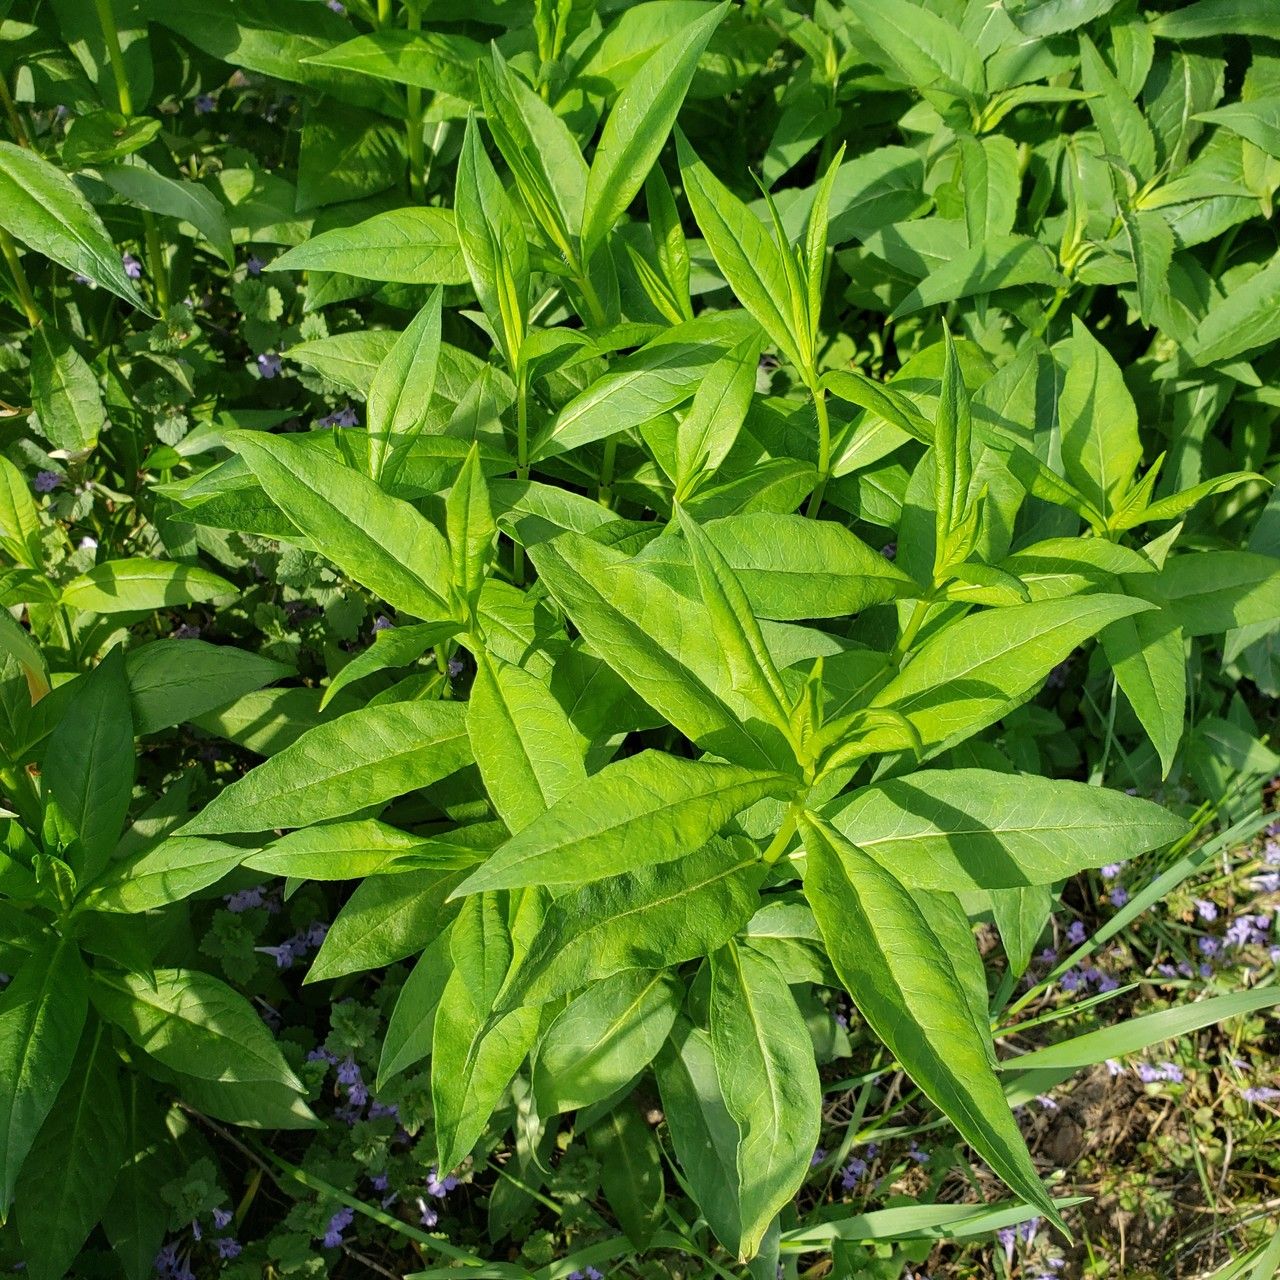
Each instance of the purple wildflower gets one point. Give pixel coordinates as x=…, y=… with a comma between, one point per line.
x=348, y=1071
x=221, y=1218
x=1206, y=910
x=1111, y=870
x=1072, y=980
x=1114, y=1068
x=916, y=1154
x=337, y=1225
x=46, y=481
x=337, y=6
x=1075, y=934
x=269, y=364
x=379, y=1182
x=1208, y=946
x=205, y=103
x=1171, y=1071
x=437, y=1186
x=454, y=668
x=889, y=551
x=185, y=632
x=228, y=1247
x=1008, y=1239
x=819, y=1155
x=283, y=955
x=1048, y=956
x=1107, y=983
x=132, y=267
x=426, y=1214
x=378, y=1110
x=850, y=1174
x=382, y=623
x=1046, y=1102
x=1267, y=882
x=244, y=899
x=1119, y=896
x=254, y=264
x=1271, y=852
x=1149, y=1074
x=1260, y=1093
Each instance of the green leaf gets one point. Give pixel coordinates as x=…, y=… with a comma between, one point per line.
x=647, y=919
x=720, y=404
x=649, y=808
x=391, y=647
x=89, y=761
x=631, y=1173
x=1147, y=655
x=1258, y=120
x=1001, y=262
x=193, y=1023
x=703, y=1133
x=43, y=208
x=1125, y=132
x=1099, y=422
x=186, y=201
x=16, y=643
x=1151, y=247
x=654, y=638
x=404, y=246
x=100, y=137
x=64, y=393
x=139, y=586
x=379, y=541
x=922, y=50
x=603, y=1039
x=962, y=829
x=173, y=681
x=969, y=675
x=400, y=394
x=1177, y=504
x=1245, y=318
x=42, y=1013
x=638, y=125
x=903, y=982
x=427, y=59
x=354, y=849
x=527, y=751
x=19, y=523
x=171, y=871
x=359, y=760
x=68, y=1179
x=384, y=920
x=493, y=245
x=764, y=1060
x=748, y=256
x=407, y=1040
x=1209, y=592
x=1021, y=915
x=735, y=630
x=473, y=1057
x=1206, y=18
x=471, y=529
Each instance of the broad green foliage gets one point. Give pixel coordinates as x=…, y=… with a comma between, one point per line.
x=659, y=575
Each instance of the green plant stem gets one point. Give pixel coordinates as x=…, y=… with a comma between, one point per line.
x=20, y=282
x=778, y=845
x=124, y=95
x=11, y=110
x=595, y=308
x=384, y=12
x=522, y=456
x=413, y=123
x=914, y=622
x=824, y=451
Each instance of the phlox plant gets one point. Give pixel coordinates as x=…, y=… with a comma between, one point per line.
x=633, y=528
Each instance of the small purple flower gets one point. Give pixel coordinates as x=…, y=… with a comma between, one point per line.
x=379, y=1182
x=1149, y=1074
x=382, y=623
x=1075, y=933
x=316, y=933
x=1271, y=851
x=426, y=1214
x=185, y=632
x=244, y=899
x=283, y=955
x=1171, y=1072
x=337, y=1225
x=323, y=1055
x=1206, y=910
x=254, y=264
x=1008, y=1239
x=197, y=1231
x=132, y=267
x=1260, y=1093
x=1048, y=956
x=1166, y=971
x=1267, y=882
x=889, y=551
x=1057, y=678
x=337, y=6
x=1119, y=896
x=348, y=1072
x=46, y=481
x=205, y=103
x=437, y=1186
x=454, y=668
x=1111, y=870
x=221, y=1218
x=269, y=364
x=1046, y=1102
x=1028, y=1230
x=916, y=1154
x=819, y=1155
x=1107, y=983
x=1072, y=980
x=1114, y=1068
x=850, y=1174
x=1208, y=946
x=228, y=1247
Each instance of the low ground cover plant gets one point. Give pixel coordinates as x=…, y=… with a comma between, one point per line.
x=638, y=638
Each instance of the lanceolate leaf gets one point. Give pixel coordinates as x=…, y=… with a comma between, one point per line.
x=401, y=393
x=362, y=759
x=764, y=1061
x=903, y=982
x=381, y=542
x=645, y=919
x=650, y=808
x=962, y=829
x=42, y=1012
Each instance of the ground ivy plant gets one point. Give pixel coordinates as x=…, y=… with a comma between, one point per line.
x=727, y=510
